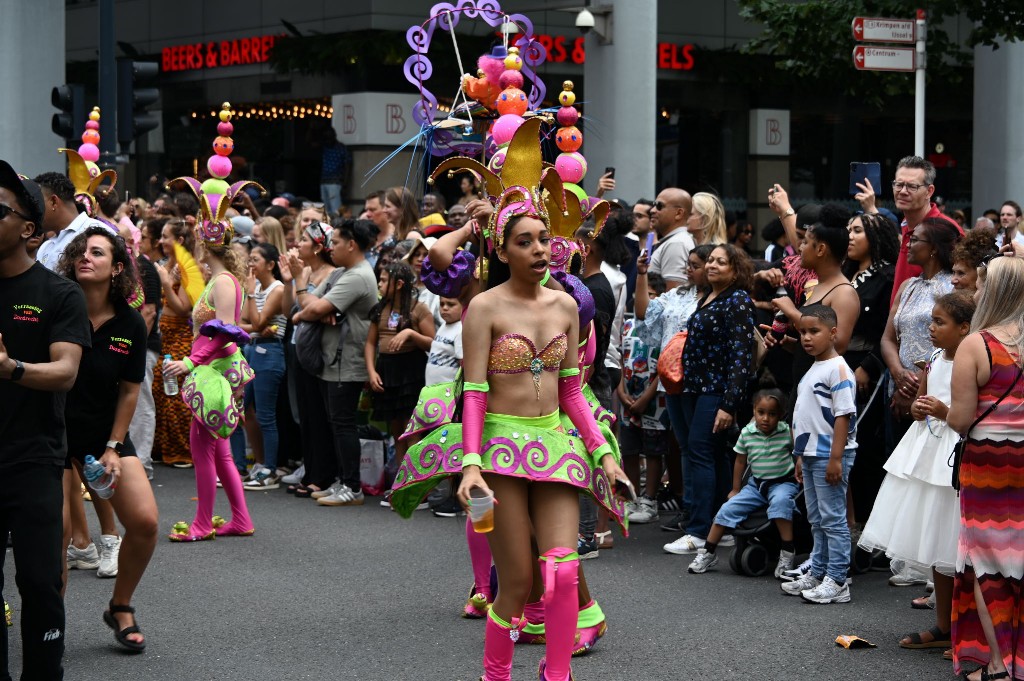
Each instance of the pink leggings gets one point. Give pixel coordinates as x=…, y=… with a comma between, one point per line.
x=211, y=456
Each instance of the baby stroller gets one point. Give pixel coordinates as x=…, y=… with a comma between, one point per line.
x=757, y=539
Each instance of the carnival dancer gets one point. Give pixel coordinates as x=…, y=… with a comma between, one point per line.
x=534, y=467
x=100, y=407
x=216, y=370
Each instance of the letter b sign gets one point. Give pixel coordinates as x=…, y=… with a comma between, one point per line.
x=395, y=119
x=769, y=132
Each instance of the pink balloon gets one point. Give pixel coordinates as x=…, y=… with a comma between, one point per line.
x=89, y=151
x=571, y=167
x=219, y=166
x=505, y=127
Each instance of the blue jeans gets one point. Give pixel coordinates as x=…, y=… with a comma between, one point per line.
x=267, y=362
x=705, y=461
x=780, y=503
x=674, y=410
x=330, y=194
x=826, y=511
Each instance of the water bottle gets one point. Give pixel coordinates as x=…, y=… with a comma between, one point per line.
x=101, y=482
x=780, y=323
x=170, y=382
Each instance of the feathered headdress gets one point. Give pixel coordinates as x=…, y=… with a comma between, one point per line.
x=82, y=169
x=215, y=194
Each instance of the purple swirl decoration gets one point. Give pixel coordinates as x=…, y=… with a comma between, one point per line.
x=450, y=282
x=581, y=294
x=445, y=16
x=216, y=327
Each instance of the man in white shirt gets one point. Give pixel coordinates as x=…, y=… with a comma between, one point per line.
x=61, y=217
x=668, y=218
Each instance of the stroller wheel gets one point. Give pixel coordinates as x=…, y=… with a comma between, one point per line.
x=734, y=559
x=754, y=560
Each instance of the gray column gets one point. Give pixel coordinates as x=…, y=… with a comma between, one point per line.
x=32, y=67
x=620, y=97
x=998, y=135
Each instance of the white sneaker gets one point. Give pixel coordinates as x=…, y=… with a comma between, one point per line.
x=83, y=559
x=296, y=477
x=785, y=563
x=827, y=592
x=908, y=576
x=798, y=585
x=727, y=540
x=646, y=511
x=343, y=497
x=110, y=547
x=263, y=480
x=703, y=562
x=330, y=491
x=797, y=572
x=684, y=545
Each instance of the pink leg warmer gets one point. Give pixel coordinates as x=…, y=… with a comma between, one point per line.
x=203, y=445
x=499, y=644
x=480, y=558
x=560, y=568
x=534, y=612
x=228, y=474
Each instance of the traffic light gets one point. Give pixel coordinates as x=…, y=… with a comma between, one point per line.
x=70, y=122
x=132, y=118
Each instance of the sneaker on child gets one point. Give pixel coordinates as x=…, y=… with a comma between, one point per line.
x=827, y=592
x=908, y=576
x=785, y=564
x=703, y=562
x=110, y=547
x=796, y=573
x=797, y=586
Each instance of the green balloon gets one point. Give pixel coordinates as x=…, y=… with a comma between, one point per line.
x=577, y=190
x=215, y=186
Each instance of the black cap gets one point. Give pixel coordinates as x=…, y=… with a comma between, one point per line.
x=29, y=195
x=807, y=215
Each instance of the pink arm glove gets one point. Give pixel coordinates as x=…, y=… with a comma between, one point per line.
x=474, y=406
x=571, y=401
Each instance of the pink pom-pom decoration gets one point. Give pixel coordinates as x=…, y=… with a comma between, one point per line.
x=92, y=125
x=219, y=166
x=567, y=115
x=505, y=127
x=571, y=167
x=512, y=101
x=225, y=128
x=91, y=137
x=510, y=79
x=223, y=146
x=569, y=139
x=89, y=151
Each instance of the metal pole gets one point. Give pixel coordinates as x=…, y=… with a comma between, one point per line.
x=919, y=86
x=108, y=86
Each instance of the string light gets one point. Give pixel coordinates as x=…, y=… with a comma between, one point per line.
x=283, y=110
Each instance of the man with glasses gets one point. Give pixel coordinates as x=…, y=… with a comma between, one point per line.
x=43, y=328
x=61, y=216
x=668, y=215
x=912, y=190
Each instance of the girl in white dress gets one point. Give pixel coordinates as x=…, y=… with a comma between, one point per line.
x=916, y=516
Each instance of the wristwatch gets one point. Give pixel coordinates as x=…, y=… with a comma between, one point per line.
x=115, y=445
x=18, y=371
x=789, y=211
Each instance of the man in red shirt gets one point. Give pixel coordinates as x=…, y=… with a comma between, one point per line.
x=912, y=189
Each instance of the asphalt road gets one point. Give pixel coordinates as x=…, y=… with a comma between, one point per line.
x=358, y=593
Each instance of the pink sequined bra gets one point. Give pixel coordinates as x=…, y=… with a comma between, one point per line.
x=514, y=353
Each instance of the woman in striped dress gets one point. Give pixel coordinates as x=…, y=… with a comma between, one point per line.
x=987, y=596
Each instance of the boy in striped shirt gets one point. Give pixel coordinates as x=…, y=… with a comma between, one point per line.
x=765, y=444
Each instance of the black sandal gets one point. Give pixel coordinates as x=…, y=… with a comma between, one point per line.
x=1001, y=675
x=940, y=639
x=121, y=635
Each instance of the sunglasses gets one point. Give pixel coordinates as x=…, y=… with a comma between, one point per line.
x=6, y=210
x=309, y=204
x=661, y=205
x=989, y=258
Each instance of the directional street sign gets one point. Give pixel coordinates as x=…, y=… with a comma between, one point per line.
x=883, y=58
x=877, y=30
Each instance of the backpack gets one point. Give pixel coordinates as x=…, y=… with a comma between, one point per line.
x=307, y=337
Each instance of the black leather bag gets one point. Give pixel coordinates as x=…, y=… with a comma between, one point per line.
x=958, y=449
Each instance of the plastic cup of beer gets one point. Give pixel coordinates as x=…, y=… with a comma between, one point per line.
x=481, y=510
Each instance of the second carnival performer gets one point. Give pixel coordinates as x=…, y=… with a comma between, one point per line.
x=519, y=374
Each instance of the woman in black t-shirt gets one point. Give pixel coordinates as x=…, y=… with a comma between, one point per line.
x=100, y=406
